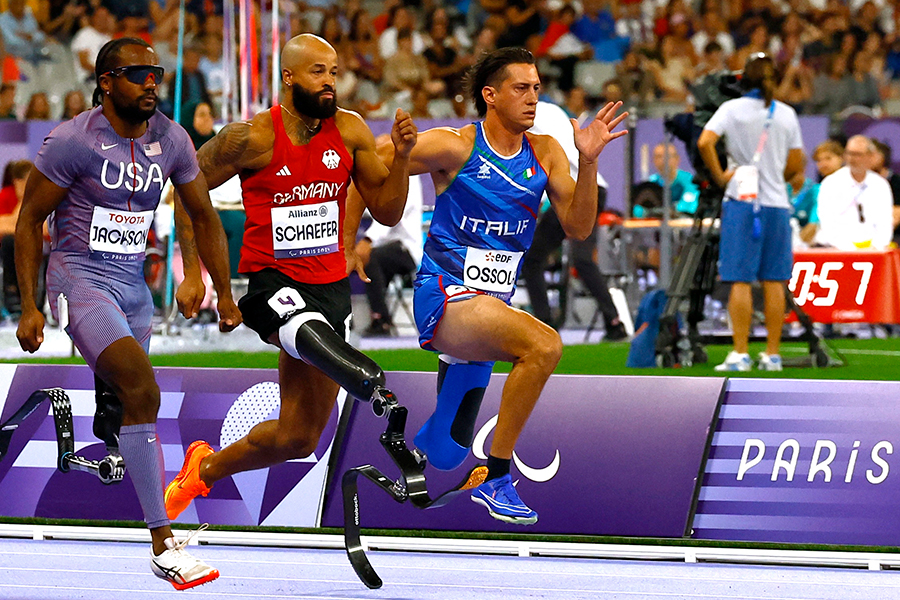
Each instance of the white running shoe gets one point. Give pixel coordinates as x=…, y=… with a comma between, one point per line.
x=770, y=362
x=735, y=361
x=178, y=567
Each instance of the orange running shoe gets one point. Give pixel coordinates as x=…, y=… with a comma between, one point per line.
x=187, y=485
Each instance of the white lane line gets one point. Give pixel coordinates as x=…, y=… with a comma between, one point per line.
x=781, y=579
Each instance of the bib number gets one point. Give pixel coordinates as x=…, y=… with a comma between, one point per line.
x=308, y=230
x=119, y=234
x=491, y=270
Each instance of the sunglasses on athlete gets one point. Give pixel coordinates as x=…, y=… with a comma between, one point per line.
x=138, y=74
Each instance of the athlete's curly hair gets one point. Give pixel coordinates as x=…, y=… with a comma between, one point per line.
x=108, y=59
x=491, y=70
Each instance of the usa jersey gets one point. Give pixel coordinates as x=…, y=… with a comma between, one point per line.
x=114, y=183
x=295, y=207
x=484, y=221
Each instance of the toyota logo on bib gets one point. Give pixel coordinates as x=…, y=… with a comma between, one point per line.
x=331, y=159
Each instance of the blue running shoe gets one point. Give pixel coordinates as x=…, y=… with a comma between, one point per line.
x=499, y=496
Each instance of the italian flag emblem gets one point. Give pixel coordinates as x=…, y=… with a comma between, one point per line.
x=529, y=173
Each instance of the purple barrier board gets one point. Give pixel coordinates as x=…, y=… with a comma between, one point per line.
x=600, y=455
x=218, y=405
x=803, y=462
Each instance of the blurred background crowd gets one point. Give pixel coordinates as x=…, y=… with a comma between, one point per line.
x=834, y=57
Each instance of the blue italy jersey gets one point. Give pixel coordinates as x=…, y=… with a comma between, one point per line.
x=484, y=221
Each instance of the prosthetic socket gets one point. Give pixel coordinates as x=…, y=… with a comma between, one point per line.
x=447, y=435
x=310, y=338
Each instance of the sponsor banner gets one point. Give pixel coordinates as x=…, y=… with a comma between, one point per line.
x=804, y=462
x=600, y=455
x=217, y=405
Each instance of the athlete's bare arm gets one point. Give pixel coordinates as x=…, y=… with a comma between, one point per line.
x=577, y=210
x=441, y=151
x=382, y=188
x=238, y=146
x=41, y=198
x=212, y=245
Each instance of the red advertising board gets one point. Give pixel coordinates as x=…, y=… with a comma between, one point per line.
x=834, y=286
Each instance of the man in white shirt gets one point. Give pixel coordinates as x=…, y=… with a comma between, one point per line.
x=762, y=136
x=551, y=120
x=88, y=41
x=386, y=252
x=855, y=204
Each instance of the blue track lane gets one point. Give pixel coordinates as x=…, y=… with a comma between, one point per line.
x=66, y=570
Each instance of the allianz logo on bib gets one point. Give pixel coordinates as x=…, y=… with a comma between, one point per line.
x=131, y=176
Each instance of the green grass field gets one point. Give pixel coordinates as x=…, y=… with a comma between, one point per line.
x=872, y=359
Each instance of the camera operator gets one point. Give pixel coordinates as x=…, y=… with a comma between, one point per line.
x=762, y=137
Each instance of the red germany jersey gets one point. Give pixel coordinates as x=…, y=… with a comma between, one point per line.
x=295, y=207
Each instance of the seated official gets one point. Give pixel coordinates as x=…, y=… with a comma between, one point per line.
x=855, y=205
x=684, y=191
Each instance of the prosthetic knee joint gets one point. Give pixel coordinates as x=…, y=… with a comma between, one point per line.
x=310, y=338
x=447, y=435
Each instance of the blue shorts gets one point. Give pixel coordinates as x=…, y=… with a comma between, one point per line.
x=744, y=259
x=432, y=293
x=106, y=300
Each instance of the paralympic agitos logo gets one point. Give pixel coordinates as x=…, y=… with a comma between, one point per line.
x=538, y=475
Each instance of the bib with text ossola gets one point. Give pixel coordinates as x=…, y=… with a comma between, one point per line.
x=491, y=270
x=119, y=234
x=306, y=230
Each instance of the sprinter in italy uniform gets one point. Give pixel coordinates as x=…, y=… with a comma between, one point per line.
x=489, y=177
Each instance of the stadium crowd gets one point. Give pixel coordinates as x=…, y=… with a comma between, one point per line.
x=832, y=57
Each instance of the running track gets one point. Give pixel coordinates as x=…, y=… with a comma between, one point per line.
x=66, y=570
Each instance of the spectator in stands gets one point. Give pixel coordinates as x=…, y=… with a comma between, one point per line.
x=73, y=104
x=562, y=47
x=804, y=196
x=816, y=52
x=597, y=27
x=405, y=71
x=759, y=42
x=796, y=85
x=22, y=36
x=713, y=29
x=829, y=157
x=193, y=83
x=88, y=41
x=882, y=164
x=712, y=60
x=522, y=19
x=673, y=72
x=445, y=60
x=863, y=87
x=212, y=65
x=636, y=78
x=8, y=102
x=831, y=89
x=367, y=61
x=401, y=18
x=635, y=26
x=38, y=108
x=855, y=204
x=11, y=193
x=577, y=107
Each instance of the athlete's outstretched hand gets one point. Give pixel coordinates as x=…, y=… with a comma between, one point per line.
x=31, y=330
x=591, y=140
x=229, y=315
x=189, y=296
x=403, y=133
